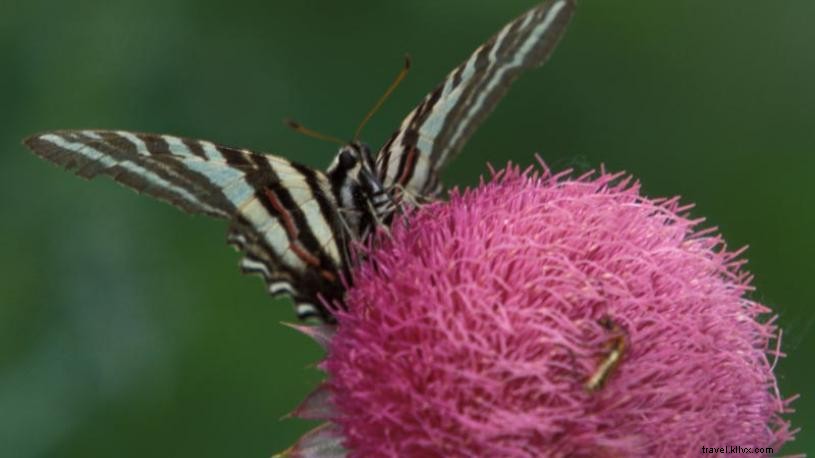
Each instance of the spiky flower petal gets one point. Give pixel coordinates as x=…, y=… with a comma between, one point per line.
x=540, y=315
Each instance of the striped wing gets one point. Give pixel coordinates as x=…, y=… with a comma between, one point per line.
x=283, y=215
x=440, y=125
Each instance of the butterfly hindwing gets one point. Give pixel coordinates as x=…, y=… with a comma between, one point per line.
x=283, y=215
x=446, y=118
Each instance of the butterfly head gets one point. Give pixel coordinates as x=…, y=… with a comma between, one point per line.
x=353, y=176
x=354, y=164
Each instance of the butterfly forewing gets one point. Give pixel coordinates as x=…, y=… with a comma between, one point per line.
x=284, y=215
x=446, y=118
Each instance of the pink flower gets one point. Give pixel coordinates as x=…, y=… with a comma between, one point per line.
x=540, y=315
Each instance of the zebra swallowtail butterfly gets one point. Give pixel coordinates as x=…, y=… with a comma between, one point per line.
x=292, y=223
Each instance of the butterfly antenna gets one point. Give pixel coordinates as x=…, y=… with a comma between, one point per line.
x=388, y=92
x=297, y=127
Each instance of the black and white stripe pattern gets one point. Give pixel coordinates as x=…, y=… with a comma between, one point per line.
x=284, y=215
x=294, y=224
x=440, y=125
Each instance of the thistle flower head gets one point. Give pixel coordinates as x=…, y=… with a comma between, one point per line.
x=541, y=315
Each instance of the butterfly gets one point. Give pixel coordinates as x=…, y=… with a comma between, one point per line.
x=294, y=224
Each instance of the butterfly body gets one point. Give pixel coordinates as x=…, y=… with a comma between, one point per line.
x=295, y=224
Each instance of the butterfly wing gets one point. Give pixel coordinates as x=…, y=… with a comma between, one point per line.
x=440, y=125
x=283, y=215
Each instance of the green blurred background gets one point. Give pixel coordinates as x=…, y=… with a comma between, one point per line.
x=125, y=327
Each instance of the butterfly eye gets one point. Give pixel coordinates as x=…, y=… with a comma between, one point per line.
x=347, y=160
